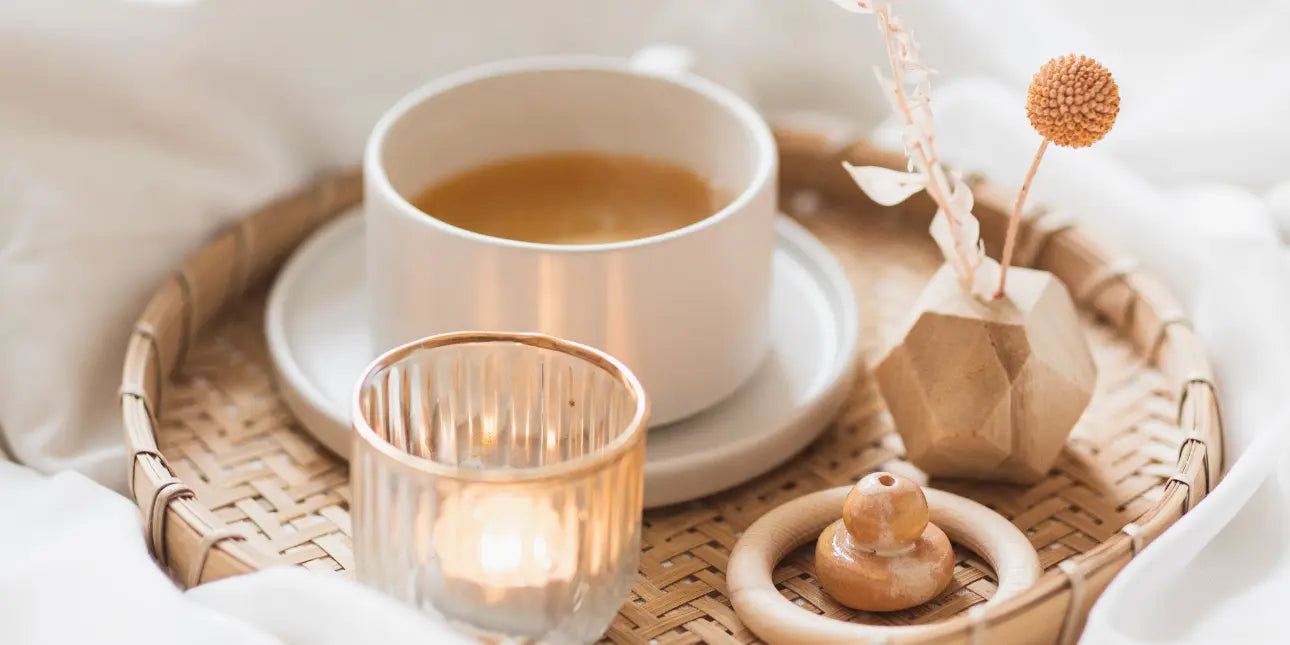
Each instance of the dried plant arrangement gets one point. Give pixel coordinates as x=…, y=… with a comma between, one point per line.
x=993, y=371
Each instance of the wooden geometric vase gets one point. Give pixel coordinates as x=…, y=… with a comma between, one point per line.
x=989, y=390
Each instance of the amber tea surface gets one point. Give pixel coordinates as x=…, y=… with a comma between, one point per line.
x=573, y=198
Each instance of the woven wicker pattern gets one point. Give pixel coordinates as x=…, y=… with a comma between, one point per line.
x=227, y=434
x=1137, y=460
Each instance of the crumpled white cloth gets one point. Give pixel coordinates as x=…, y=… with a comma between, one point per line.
x=76, y=571
x=129, y=131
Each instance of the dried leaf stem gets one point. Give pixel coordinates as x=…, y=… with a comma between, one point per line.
x=955, y=229
x=936, y=185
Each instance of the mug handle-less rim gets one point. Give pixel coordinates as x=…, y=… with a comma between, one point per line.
x=649, y=61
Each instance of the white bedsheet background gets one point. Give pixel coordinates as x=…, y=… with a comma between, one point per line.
x=129, y=131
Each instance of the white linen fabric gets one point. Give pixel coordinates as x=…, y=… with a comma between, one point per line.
x=77, y=571
x=130, y=131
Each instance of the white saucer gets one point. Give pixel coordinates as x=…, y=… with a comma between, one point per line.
x=318, y=340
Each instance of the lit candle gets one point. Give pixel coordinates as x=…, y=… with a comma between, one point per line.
x=507, y=500
x=505, y=558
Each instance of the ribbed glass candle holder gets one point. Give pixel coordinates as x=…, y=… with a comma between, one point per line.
x=498, y=481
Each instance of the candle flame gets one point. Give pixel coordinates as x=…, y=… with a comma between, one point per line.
x=505, y=540
x=490, y=424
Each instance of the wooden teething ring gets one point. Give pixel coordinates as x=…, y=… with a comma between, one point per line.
x=777, y=620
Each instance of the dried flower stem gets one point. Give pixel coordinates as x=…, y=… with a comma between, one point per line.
x=1015, y=221
x=936, y=187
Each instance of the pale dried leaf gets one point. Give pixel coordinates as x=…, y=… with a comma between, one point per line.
x=940, y=230
x=951, y=247
x=969, y=234
x=961, y=203
x=886, y=186
x=986, y=279
x=906, y=46
x=888, y=88
x=959, y=242
x=911, y=137
x=920, y=110
x=961, y=200
x=916, y=72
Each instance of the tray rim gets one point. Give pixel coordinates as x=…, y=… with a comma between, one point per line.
x=178, y=528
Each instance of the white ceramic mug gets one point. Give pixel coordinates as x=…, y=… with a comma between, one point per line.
x=686, y=310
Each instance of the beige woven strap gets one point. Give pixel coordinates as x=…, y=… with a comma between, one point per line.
x=1181, y=478
x=134, y=459
x=204, y=548
x=1070, y=624
x=1036, y=213
x=976, y=633
x=143, y=399
x=1135, y=538
x=1166, y=321
x=1193, y=436
x=1111, y=272
x=1184, y=392
x=145, y=329
x=241, y=259
x=146, y=332
x=189, y=318
x=156, y=528
x=1045, y=224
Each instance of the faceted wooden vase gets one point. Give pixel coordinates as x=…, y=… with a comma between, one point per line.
x=989, y=390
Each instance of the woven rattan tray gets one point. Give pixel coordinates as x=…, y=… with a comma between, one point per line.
x=228, y=482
